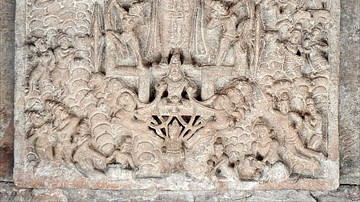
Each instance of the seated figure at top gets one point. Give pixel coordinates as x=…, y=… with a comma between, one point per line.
x=175, y=84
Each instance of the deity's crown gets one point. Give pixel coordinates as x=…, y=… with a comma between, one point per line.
x=175, y=59
x=174, y=129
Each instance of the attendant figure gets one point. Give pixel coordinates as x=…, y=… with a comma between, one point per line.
x=122, y=155
x=226, y=18
x=312, y=127
x=119, y=40
x=219, y=162
x=292, y=150
x=65, y=126
x=41, y=135
x=45, y=63
x=87, y=160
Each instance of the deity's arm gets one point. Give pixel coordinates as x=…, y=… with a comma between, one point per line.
x=190, y=88
x=121, y=10
x=214, y=22
x=70, y=127
x=296, y=120
x=273, y=118
x=127, y=120
x=237, y=6
x=34, y=135
x=114, y=4
x=139, y=13
x=160, y=88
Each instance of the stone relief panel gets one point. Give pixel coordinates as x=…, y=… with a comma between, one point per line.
x=186, y=94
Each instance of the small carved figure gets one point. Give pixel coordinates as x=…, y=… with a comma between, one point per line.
x=65, y=126
x=175, y=83
x=123, y=155
x=265, y=148
x=41, y=135
x=64, y=55
x=173, y=149
x=312, y=127
x=316, y=48
x=294, y=61
x=87, y=161
x=218, y=162
x=292, y=149
x=44, y=64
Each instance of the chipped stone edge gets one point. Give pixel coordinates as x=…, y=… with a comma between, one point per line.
x=333, y=128
x=19, y=94
x=25, y=179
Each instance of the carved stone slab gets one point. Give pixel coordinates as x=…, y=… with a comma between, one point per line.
x=177, y=95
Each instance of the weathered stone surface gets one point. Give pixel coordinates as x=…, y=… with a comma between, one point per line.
x=8, y=192
x=343, y=193
x=282, y=195
x=349, y=122
x=177, y=95
x=50, y=195
x=7, y=52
